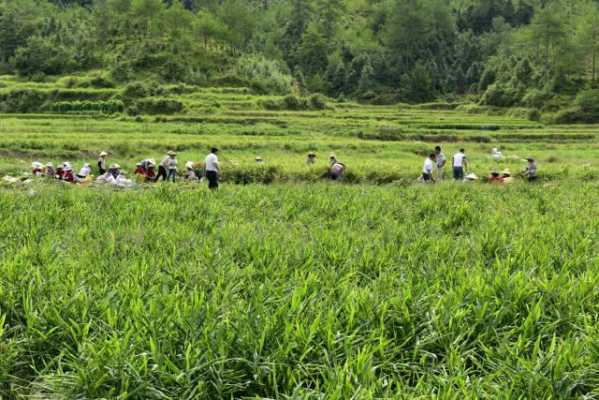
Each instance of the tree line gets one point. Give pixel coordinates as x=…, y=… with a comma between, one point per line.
x=504, y=52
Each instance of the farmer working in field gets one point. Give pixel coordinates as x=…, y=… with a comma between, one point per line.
x=102, y=163
x=506, y=176
x=36, y=168
x=139, y=169
x=67, y=172
x=459, y=164
x=84, y=172
x=531, y=170
x=336, y=169
x=164, y=167
x=495, y=177
x=190, y=174
x=311, y=159
x=50, y=172
x=150, y=170
x=212, y=169
x=427, y=169
x=172, y=168
x=440, y=161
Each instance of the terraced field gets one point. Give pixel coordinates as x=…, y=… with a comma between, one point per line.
x=379, y=143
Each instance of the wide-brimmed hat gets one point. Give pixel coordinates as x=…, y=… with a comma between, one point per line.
x=332, y=155
x=103, y=154
x=171, y=153
x=151, y=163
x=258, y=158
x=471, y=177
x=49, y=164
x=311, y=154
x=115, y=166
x=36, y=164
x=189, y=165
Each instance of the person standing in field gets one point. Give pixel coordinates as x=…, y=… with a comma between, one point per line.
x=427, y=169
x=212, y=169
x=531, y=170
x=172, y=169
x=102, y=163
x=440, y=160
x=164, y=166
x=459, y=164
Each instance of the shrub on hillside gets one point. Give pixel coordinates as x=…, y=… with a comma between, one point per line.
x=104, y=107
x=317, y=102
x=42, y=56
x=292, y=102
x=569, y=116
x=136, y=90
x=155, y=106
x=588, y=101
x=536, y=98
x=23, y=100
x=295, y=103
x=501, y=96
x=264, y=75
x=99, y=82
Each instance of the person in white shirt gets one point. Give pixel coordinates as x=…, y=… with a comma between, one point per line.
x=172, y=169
x=212, y=169
x=441, y=160
x=165, y=166
x=427, y=169
x=459, y=164
x=496, y=154
x=84, y=172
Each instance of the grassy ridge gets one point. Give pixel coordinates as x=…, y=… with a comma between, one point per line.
x=299, y=291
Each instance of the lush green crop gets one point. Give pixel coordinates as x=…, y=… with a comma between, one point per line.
x=301, y=288
x=304, y=291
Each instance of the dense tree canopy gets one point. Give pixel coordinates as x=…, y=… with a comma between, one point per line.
x=507, y=51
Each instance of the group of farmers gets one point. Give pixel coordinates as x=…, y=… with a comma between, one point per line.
x=149, y=171
x=436, y=162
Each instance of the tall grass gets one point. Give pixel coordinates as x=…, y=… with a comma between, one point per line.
x=299, y=291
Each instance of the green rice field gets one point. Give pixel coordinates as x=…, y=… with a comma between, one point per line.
x=283, y=285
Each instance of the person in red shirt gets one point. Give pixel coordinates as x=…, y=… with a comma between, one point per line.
x=150, y=174
x=495, y=177
x=67, y=173
x=140, y=170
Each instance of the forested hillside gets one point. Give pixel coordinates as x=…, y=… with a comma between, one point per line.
x=509, y=53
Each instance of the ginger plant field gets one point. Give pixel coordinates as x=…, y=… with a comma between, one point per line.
x=300, y=291
x=283, y=284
